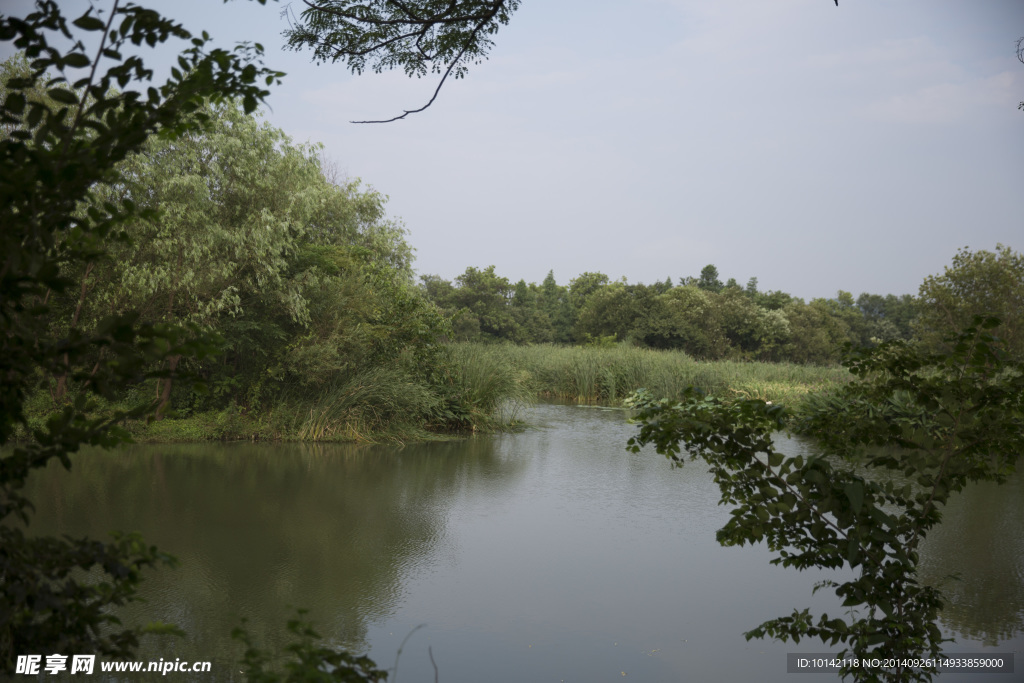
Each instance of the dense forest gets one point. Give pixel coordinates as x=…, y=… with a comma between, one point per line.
x=702, y=316
x=712, y=320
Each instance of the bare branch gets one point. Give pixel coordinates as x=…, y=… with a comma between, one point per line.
x=437, y=91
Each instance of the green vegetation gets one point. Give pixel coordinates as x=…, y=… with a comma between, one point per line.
x=308, y=659
x=417, y=36
x=66, y=127
x=977, y=283
x=303, y=282
x=609, y=374
x=165, y=254
x=953, y=416
x=701, y=316
x=711, y=321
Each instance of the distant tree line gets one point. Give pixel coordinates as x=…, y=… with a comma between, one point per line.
x=712, y=320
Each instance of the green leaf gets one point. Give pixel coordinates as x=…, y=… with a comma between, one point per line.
x=15, y=103
x=855, y=493
x=853, y=551
x=63, y=96
x=87, y=22
x=77, y=60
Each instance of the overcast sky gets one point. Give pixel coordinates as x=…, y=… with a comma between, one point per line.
x=812, y=146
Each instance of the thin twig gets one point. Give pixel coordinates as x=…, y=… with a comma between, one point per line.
x=92, y=75
x=437, y=91
x=394, y=676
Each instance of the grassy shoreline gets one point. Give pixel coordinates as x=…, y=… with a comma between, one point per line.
x=609, y=375
x=485, y=387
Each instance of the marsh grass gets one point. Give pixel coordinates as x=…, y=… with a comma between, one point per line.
x=481, y=388
x=488, y=391
x=609, y=374
x=474, y=392
x=378, y=404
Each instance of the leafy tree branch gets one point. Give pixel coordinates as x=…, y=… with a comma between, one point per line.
x=942, y=419
x=62, y=137
x=417, y=36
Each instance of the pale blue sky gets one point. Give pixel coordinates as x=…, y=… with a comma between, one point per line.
x=814, y=147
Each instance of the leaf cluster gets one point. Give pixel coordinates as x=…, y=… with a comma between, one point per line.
x=417, y=36
x=834, y=512
x=308, y=662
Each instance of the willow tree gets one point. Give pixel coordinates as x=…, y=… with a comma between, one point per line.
x=55, y=150
x=234, y=199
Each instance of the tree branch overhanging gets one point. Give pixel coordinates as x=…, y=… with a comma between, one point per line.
x=418, y=36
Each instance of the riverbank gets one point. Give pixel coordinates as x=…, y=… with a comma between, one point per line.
x=483, y=388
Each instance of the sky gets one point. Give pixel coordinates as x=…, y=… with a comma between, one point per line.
x=817, y=148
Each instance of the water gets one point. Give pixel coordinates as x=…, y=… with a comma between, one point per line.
x=549, y=555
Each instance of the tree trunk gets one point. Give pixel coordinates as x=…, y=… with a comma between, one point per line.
x=62, y=381
x=165, y=383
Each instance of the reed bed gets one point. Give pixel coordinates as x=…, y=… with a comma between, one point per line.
x=487, y=390
x=608, y=375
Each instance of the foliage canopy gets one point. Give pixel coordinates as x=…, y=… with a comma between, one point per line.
x=417, y=36
x=976, y=283
x=67, y=125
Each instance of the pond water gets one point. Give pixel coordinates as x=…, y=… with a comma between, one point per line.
x=547, y=555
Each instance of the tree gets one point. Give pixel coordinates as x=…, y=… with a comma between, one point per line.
x=234, y=199
x=977, y=283
x=582, y=287
x=487, y=296
x=889, y=317
x=752, y=332
x=554, y=302
x=953, y=417
x=417, y=36
x=685, y=318
x=55, y=149
x=816, y=336
x=616, y=310
x=843, y=308
x=708, y=280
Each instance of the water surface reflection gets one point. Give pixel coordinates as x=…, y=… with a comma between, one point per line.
x=547, y=555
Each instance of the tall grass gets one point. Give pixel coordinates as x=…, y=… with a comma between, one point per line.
x=379, y=403
x=487, y=390
x=470, y=389
x=478, y=392
x=602, y=374
x=480, y=387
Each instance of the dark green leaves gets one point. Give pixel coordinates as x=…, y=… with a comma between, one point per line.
x=86, y=22
x=855, y=494
x=945, y=418
x=308, y=659
x=64, y=137
x=63, y=96
x=15, y=103
x=417, y=36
